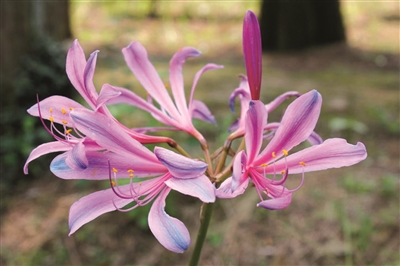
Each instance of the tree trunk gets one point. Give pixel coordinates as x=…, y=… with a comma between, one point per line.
x=32, y=62
x=296, y=25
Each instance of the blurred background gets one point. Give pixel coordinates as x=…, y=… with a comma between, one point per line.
x=347, y=50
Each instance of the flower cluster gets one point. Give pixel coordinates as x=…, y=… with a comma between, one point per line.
x=96, y=146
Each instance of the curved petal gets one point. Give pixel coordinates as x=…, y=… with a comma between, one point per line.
x=332, y=153
x=281, y=98
x=252, y=53
x=296, y=126
x=98, y=169
x=239, y=173
x=276, y=203
x=315, y=139
x=169, y=231
x=176, y=79
x=201, y=111
x=136, y=57
x=76, y=157
x=92, y=206
x=107, y=94
x=43, y=149
x=199, y=187
x=256, y=120
x=196, y=79
x=88, y=74
x=178, y=165
x=75, y=67
x=57, y=107
x=110, y=135
x=129, y=97
x=225, y=189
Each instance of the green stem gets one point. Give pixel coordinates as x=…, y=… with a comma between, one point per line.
x=205, y=218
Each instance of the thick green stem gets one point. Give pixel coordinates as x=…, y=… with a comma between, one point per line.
x=205, y=218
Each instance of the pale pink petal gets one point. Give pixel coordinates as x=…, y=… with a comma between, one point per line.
x=333, y=153
x=45, y=148
x=76, y=157
x=256, y=120
x=196, y=79
x=110, y=135
x=107, y=94
x=178, y=165
x=57, y=107
x=315, y=139
x=201, y=111
x=92, y=206
x=281, y=98
x=239, y=173
x=169, y=231
x=98, y=169
x=136, y=57
x=252, y=53
x=225, y=189
x=276, y=203
x=176, y=80
x=199, y=187
x=75, y=66
x=88, y=74
x=296, y=126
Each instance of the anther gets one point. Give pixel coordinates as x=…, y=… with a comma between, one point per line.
x=302, y=163
x=285, y=152
x=71, y=108
x=112, y=183
x=51, y=110
x=68, y=131
x=283, y=172
x=63, y=111
x=264, y=165
x=273, y=154
x=114, y=170
x=64, y=122
x=51, y=119
x=131, y=173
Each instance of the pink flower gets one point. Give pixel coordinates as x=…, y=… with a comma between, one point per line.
x=176, y=113
x=57, y=109
x=120, y=156
x=296, y=126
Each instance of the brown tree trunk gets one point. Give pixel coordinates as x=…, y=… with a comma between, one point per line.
x=296, y=25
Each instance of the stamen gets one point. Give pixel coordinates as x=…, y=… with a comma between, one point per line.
x=273, y=154
x=264, y=165
x=131, y=173
x=64, y=122
x=283, y=172
x=112, y=183
x=68, y=131
x=51, y=119
x=51, y=110
x=302, y=163
x=285, y=152
x=63, y=111
x=71, y=108
x=114, y=170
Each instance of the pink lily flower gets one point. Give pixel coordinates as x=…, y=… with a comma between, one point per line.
x=57, y=109
x=296, y=126
x=121, y=156
x=176, y=113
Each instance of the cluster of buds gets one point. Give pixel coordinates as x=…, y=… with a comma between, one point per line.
x=96, y=146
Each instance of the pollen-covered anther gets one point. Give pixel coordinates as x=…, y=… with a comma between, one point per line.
x=167, y=86
x=131, y=173
x=64, y=122
x=71, y=108
x=273, y=154
x=112, y=183
x=68, y=131
x=264, y=165
x=302, y=163
x=51, y=110
x=63, y=111
x=114, y=170
x=51, y=119
x=285, y=152
x=283, y=172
